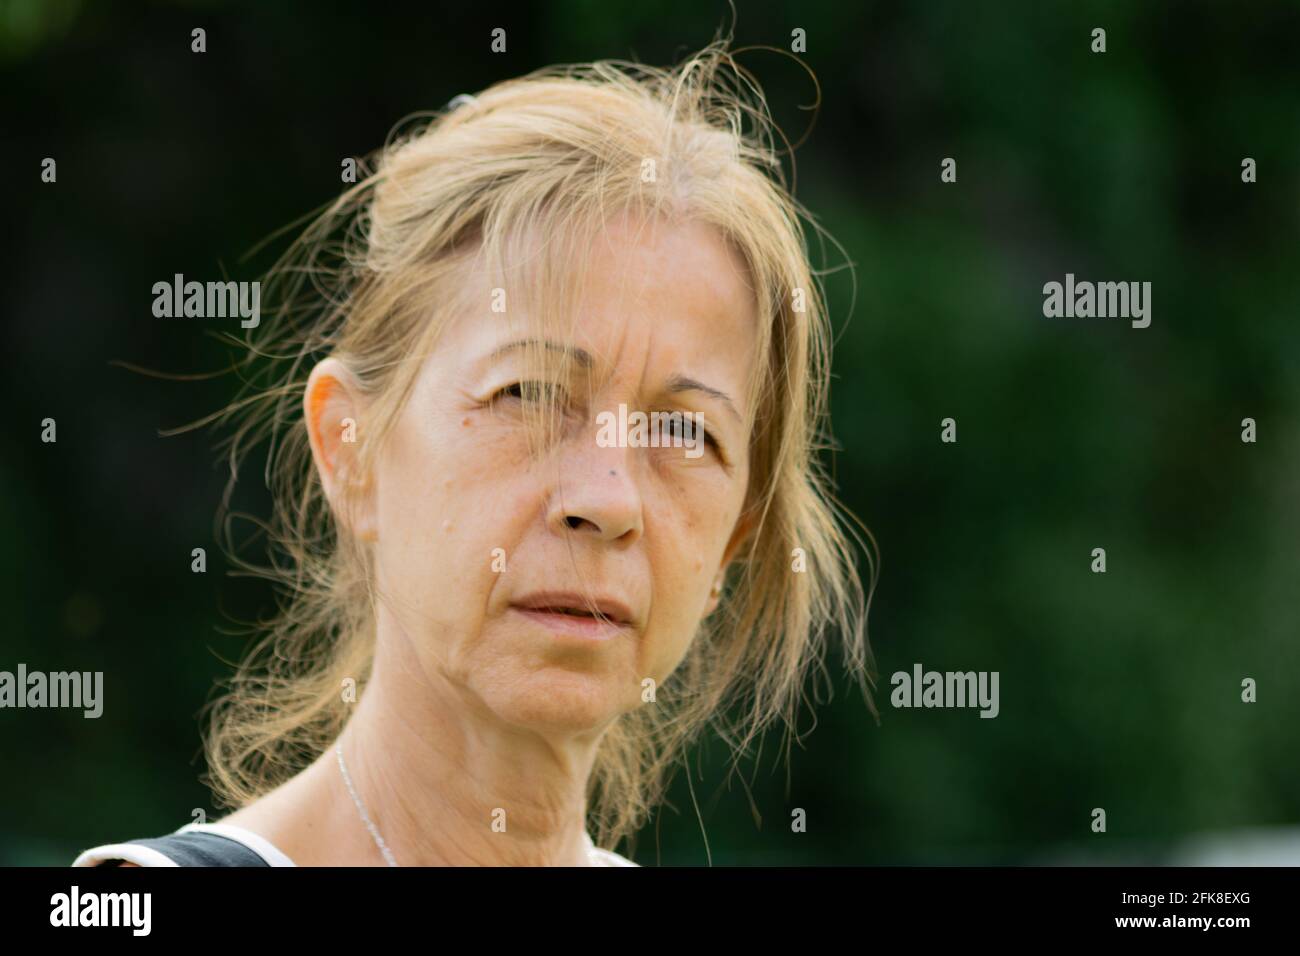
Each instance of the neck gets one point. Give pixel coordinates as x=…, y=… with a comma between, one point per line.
x=447, y=783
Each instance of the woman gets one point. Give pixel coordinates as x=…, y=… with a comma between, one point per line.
x=505, y=624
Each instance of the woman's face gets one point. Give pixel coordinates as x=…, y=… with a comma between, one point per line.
x=486, y=555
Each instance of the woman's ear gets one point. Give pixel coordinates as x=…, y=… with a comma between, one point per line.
x=744, y=528
x=334, y=412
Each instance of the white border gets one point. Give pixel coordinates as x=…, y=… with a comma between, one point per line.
x=148, y=856
x=130, y=852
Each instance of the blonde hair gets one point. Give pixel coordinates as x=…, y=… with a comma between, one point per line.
x=371, y=281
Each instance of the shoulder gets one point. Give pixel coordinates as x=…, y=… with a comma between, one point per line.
x=610, y=858
x=196, y=844
x=602, y=857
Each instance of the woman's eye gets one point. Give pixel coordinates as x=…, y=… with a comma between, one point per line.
x=530, y=392
x=690, y=433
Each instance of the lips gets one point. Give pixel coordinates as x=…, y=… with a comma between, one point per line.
x=577, y=605
x=569, y=612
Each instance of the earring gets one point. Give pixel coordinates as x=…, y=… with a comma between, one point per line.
x=717, y=589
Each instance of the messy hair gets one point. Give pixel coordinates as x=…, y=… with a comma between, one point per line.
x=518, y=179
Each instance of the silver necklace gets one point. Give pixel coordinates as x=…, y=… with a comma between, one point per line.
x=374, y=830
x=365, y=817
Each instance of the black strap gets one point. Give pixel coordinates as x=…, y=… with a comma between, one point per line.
x=200, y=849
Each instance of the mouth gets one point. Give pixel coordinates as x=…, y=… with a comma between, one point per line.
x=570, y=613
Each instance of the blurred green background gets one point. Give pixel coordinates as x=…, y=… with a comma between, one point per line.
x=1119, y=691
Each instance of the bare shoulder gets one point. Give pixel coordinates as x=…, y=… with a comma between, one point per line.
x=268, y=817
x=275, y=812
x=290, y=817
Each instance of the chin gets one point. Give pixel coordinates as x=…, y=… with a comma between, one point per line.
x=559, y=701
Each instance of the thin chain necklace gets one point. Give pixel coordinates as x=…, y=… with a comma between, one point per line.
x=374, y=830
x=365, y=817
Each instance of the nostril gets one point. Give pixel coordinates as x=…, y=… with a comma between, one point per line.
x=575, y=522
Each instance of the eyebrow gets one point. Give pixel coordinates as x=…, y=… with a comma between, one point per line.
x=678, y=383
x=581, y=356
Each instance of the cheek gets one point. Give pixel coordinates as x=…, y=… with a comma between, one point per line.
x=700, y=514
x=686, y=553
x=445, y=503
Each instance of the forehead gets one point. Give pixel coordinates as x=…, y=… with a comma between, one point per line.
x=645, y=297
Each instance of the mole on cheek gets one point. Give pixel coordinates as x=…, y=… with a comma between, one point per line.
x=464, y=423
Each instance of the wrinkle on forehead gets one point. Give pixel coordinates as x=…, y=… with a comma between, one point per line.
x=560, y=286
x=687, y=268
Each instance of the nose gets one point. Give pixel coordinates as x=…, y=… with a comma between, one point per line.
x=597, y=494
